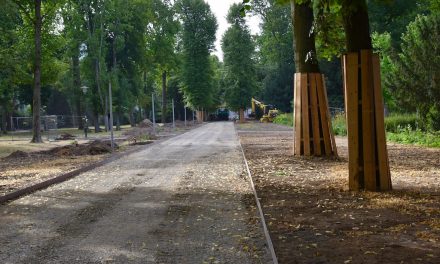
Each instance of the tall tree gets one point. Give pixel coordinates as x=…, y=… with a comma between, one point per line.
x=414, y=76
x=32, y=11
x=10, y=60
x=163, y=31
x=275, y=49
x=240, y=72
x=198, y=36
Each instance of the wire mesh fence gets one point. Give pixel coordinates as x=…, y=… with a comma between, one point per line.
x=52, y=126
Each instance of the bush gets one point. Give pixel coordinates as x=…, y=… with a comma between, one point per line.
x=284, y=119
x=339, y=125
x=417, y=137
x=433, y=118
x=395, y=122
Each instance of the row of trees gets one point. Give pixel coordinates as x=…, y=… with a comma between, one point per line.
x=404, y=32
x=75, y=50
x=159, y=46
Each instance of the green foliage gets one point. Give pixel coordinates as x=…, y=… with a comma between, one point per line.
x=339, y=125
x=392, y=16
x=198, y=36
x=275, y=54
x=433, y=118
x=395, y=122
x=414, y=78
x=382, y=45
x=240, y=72
x=284, y=119
x=407, y=135
x=402, y=128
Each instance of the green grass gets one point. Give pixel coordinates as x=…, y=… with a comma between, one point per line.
x=397, y=121
x=339, y=126
x=415, y=137
x=284, y=119
x=401, y=128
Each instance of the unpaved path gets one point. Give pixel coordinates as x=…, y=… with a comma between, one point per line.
x=185, y=200
x=313, y=218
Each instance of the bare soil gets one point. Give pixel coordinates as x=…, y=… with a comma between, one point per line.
x=23, y=164
x=313, y=218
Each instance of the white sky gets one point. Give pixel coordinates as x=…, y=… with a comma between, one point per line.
x=220, y=9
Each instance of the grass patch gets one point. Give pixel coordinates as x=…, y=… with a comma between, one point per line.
x=400, y=128
x=338, y=125
x=395, y=122
x=415, y=137
x=284, y=119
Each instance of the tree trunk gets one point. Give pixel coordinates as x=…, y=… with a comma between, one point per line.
x=118, y=121
x=132, y=118
x=4, y=124
x=308, y=86
x=305, y=50
x=36, y=104
x=77, y=87
x=96, y=121
x=368, y=157
x=356, y=25
x=164, y=97
x=241, y=115
x=106, y=114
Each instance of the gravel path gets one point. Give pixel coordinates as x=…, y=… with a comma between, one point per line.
x=185, y=200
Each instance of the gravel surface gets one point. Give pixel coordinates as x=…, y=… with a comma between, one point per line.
x=185, y=200
x=313, y=218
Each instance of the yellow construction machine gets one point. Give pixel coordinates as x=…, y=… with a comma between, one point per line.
x=269, y=112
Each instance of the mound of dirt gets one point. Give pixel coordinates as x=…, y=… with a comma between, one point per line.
x=65, y=136
x=93, y=148
x=146, y=123
x=139, y=132
x=17, y=155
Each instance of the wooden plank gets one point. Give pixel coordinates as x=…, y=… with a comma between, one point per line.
x=323, y=108
x=297, y=113
x=384, y=170
x=332, y=136
x=305, y=114
x=314, y=113
x=344, y=78
x=351, y=94
x=368, y=127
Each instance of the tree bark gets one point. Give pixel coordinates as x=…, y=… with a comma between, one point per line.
x=36, y=104
x=241, y=115
x=304, y=38
x=77, y=87
x=106, y=114
x=118, y=121
x=4, y=123
x=356, y=25
x=164, y=97
x=96, y=121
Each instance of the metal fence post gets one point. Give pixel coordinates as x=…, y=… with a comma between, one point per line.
x=184, y=107
x=174, y=120
x=154, y=116
x=111, y=114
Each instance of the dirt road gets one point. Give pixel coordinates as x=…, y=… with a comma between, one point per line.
x=313, y=218
x=185, y=200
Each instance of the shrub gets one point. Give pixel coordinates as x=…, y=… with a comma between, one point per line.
x=433, y=118
x=339, y=125
x=409, y=136
x=284, y=119
x=397, y=121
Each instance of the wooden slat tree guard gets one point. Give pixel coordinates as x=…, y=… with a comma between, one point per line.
x=367, y=150
x=313, y=133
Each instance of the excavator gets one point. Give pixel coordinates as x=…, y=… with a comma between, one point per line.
x=269, y=111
